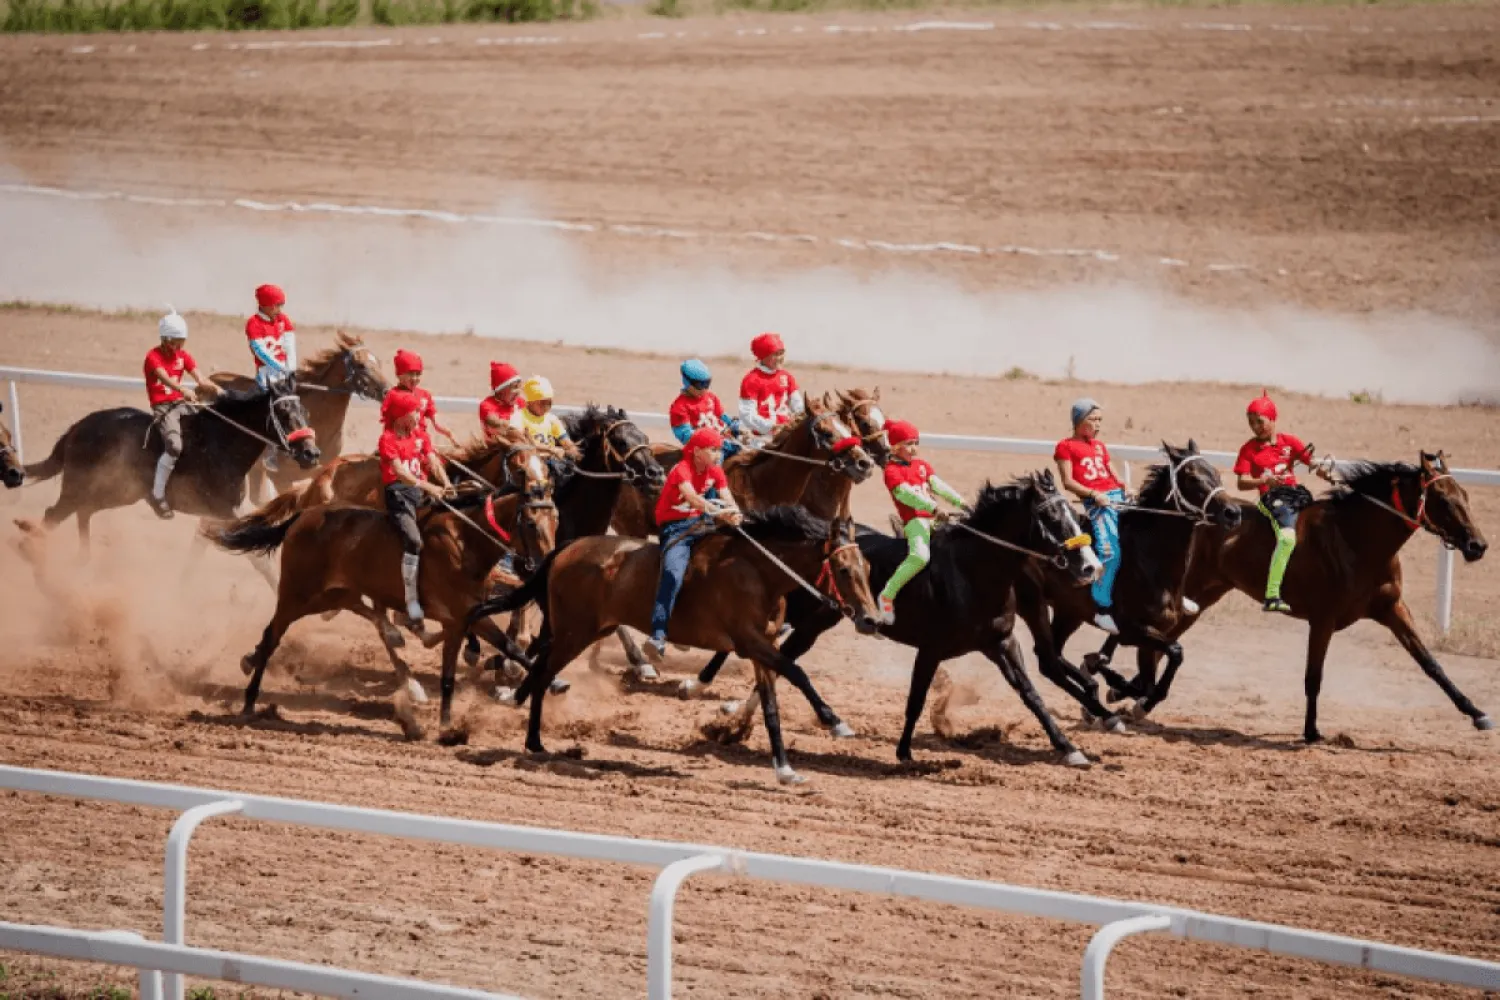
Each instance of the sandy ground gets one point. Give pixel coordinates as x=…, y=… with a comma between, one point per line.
x=128, y=668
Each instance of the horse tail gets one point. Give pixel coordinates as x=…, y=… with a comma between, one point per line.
x=261, y=531
x=53, y=464
x=534, y=589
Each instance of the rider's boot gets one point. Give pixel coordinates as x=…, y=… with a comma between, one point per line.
x=164, y=466
x=409, y=565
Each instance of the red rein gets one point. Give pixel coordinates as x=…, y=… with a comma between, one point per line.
x=489, y=515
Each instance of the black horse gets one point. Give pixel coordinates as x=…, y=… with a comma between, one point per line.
x=11, y=472
x=108, y=458
x=964, y=601
x=1156, y=537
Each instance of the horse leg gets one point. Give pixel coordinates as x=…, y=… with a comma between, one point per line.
x=86, y=535
x=639, y=667
x=254, y=662
x=509, y=651
x=452, y=643
x=765, y=682
x=1398, y=619
x=472, y=652
x=690, y=686
x=1006, y=654
x=1172, y=649
x=922, y=673
x=1074, y=681
x=355, y=604
x=1319, y=634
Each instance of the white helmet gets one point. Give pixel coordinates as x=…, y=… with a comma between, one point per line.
x=172, y=327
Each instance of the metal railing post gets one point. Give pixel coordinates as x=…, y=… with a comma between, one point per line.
x=659, y=924
x=1444, y=589
x=1104, y=941
x=15, y=423
x=174, y=894
x=148, y=982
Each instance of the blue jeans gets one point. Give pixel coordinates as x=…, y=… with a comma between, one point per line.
x=1106, y=522
x=674, y=566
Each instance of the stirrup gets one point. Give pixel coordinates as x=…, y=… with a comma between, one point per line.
x=1106, y=621
x=1190, y=607
x=160, y=507
x=887, y=611
x=1276, y=604
x=655, y=650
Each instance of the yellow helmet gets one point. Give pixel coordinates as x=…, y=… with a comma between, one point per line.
x=536, y=389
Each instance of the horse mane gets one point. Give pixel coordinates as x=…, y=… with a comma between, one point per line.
x=1156, y=488
x=593, y=418
x=315, y=363
x=754, y=456
x=991, y=496
x=1365, y=478
x=479, y=450
x=784, y=523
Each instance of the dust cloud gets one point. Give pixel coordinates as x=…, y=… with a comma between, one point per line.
x=530, y=283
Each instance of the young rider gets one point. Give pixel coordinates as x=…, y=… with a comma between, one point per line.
x=539, y=423
x=408, y=382
x=273, y=343
x=1084, y=467
x=696, y=406
x=1267, y=463
x=166, y=368
x=406, y=463
x=912, y=484
x=496, y=409
x=769, y=395
x=695, y=497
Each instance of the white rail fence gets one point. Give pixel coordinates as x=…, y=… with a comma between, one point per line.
x=949, y=442
x=1117, y=919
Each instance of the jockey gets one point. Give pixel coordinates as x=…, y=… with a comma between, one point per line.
x=1267, y=463
x=769, y=395
x=912, y=484
x=408, y=382
x=406, y=463
x=697, y=407
x=695, y=498
x=165, y=368
x=537, y=421
x=273, y=338
x=1084, y=468
x=496, y=409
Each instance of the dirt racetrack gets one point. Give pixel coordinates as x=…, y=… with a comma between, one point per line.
x=128, y=667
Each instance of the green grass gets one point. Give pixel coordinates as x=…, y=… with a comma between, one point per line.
x=91, y=16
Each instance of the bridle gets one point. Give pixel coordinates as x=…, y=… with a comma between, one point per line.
x=288, y=438
x=1179, y=499
x=1058, y=557
x=620, y=458
x=364, y=387
x=879, y=433
x=1421, y=520
x=840, y=446
x=829, y=575
x=535, y=503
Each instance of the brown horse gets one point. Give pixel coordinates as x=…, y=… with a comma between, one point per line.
x=326, y=382
x=1346, y=567
x=338, y=558
x=733, y=599
x=11, y=472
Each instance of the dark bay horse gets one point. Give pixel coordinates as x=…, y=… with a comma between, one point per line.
x=108, y=458
x=1346, y=567
x=1156, y=537
x=731, y=600
x=326, y=382
x=964, y=601
x=11, y=472
x=345, y=558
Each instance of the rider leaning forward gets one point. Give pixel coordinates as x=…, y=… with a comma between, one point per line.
x=166, y=368
x=694, y=499
x=541, y=426
x=409, y=468
x=912, y=484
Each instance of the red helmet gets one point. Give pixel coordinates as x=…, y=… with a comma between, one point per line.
x=407, y=361
x=765, y=345
x=1262, y=406
x=502, y=375
x=397, y=404
x=705, y=437
x=900, y=431
x=267, y=296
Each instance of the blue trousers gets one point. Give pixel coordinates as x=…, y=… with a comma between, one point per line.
x=1106, y=522
x=674, y=566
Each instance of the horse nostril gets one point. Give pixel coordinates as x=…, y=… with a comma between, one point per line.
x=1475, y=548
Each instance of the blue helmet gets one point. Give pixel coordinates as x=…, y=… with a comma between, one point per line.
x=696, y=373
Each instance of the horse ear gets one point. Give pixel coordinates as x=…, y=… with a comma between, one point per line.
x=875, y=396
x=842, y=396
x=1192, y=446
x=1427, y=461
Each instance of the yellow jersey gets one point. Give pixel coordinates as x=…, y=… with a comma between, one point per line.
x=545, y=430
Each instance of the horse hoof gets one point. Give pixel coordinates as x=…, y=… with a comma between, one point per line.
x=1138, y=711
x=471, y=658
x=414, y=689
x=1115, y=695
x=393, y=637
x=1312, y=737
x=787, y=776
x=842, y=731
x=505, y=695
x=1077, y=759
x=1117, y=726
x=645, y=672
x=730, y=707
x=247, y=665
x=1484, y=723
x=688, y=687
x=558, y=686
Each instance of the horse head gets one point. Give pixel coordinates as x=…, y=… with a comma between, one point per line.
x=1055, y=524
x=11, y=471
x=1442, y=507
x=845, y=576
x=831, y=434
x=1194, y=487
x=286, y=419
x=861, y=408
x=628, y=450
x=357, y=369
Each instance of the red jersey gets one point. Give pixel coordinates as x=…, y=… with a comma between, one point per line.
x=267, y=333
x=410, y=453
x=671, y=506
x=1091, y=465
x=427, y=410
x=1257, y=457
x=705, y=411
x=489, y=406
x=913, y=474
x=771, y=393
x=175, y=365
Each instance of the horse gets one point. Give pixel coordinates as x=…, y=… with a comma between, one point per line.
x=1156, y=536
x=965, y=602
x=732, y=599
x=325, y=383
x=1346, y=567
x=108, y=458
x=337, y=557
x=11, y=472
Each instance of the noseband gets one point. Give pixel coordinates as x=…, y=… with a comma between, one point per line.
x=1421, y=520
x=879, y=433
x=827, y=573
x=1180, y=500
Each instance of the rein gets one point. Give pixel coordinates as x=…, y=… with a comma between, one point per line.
x=787, y=569
x=879, y=432
x=1057, y=559
x=611, y=452
x=293, y=437
x=827, y=573
x=1398, y=508
x=837, y=447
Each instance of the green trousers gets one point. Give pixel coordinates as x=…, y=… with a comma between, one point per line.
x=918, y=532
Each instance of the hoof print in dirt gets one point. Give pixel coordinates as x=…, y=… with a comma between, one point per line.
x=1343, y=741
x=449, y=737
